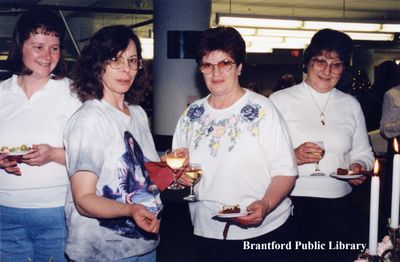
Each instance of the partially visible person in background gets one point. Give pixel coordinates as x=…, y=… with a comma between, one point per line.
x=390, y=129
x=387, y=75
x=390, y=121
x=245, y=152
x=111, y=205
x=328, y=131
x=35, y=104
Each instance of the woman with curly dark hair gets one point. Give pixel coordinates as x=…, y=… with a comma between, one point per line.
x=106, y=78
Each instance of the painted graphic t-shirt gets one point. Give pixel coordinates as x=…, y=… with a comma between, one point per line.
x=114, y=146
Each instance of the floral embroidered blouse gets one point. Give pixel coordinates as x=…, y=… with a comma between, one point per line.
x=240, y=148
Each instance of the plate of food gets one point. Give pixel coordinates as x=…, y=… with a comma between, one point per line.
x=16, y=151
x=231, y=212
x=346, y=177
x=348, y=174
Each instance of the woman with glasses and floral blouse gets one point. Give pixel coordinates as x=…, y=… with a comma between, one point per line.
x=246, y=155
x=315, y=110
x=103, y=164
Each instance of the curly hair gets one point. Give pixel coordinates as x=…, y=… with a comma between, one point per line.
x=226, y=39
x=33, y=21
x=329, y=40
x=90, y=66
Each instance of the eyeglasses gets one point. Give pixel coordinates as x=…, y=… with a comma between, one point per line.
x=322, y=64
x=117, y=62
x=223, y=65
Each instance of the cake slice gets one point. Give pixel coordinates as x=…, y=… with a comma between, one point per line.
x=230, y=209
x=344, y=172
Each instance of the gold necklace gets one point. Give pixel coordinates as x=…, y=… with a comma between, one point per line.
x=321, y=115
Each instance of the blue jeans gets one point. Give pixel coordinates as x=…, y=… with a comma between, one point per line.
x=32, y=234
x=149, y=257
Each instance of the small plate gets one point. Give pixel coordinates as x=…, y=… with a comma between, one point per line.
x=232, y=215
x=346, y=177
x=18, y=153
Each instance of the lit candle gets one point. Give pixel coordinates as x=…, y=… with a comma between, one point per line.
x=374, y=211
x=394, y=216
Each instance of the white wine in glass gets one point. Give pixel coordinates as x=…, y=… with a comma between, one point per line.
x=192, y=172
x=175, y=161
x=317, y=171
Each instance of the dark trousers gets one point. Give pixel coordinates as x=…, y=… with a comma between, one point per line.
x=210, y=250
x=322, y=225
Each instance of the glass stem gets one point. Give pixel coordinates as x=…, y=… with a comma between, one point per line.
x=175, y=176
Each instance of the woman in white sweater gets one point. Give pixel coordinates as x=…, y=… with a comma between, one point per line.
x=243, y=146
x=316, y=111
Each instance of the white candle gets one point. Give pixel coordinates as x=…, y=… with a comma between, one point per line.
x=394, y=216
x=374, y=212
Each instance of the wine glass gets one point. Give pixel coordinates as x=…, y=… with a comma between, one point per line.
x=317, y=171
x=175, y=161
x=192, y=172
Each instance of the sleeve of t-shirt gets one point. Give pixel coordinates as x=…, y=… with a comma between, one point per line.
x=83, y=138
x=276, y=143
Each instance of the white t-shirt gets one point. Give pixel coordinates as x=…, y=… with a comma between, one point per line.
x=97, y=139
x=39, y=120
x=240, y=148
x=344, y=135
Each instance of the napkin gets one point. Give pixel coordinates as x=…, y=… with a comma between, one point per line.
x=160, y=174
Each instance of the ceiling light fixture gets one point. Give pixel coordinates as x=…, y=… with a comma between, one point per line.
x=297, y=33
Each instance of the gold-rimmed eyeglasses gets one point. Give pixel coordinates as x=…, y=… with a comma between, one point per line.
x=321, y=64
x=117, y=62
x=223, y=65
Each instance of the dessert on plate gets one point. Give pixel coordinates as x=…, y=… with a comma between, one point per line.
x=230, y=209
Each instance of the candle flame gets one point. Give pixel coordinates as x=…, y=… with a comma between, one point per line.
x=376, y=167
x=396, y=145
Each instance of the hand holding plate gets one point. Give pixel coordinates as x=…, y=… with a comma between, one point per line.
x=41, y=155
x=357, y=169
x=10, y=166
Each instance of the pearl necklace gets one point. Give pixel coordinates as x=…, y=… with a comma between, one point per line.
x=321, y=115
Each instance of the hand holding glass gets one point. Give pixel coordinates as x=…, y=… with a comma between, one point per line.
x=193, y=173
x=175, y=161
x=317, y=171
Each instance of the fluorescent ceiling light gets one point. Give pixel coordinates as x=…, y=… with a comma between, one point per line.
x=285, y=33
x=285, y=45
x=390, y=28
x=342, y=26
x=265, y=39
x=147, y=47
x=246, y=31
x=371, y=36
x=258, y=49
x=264, y=33
x=259, y=22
